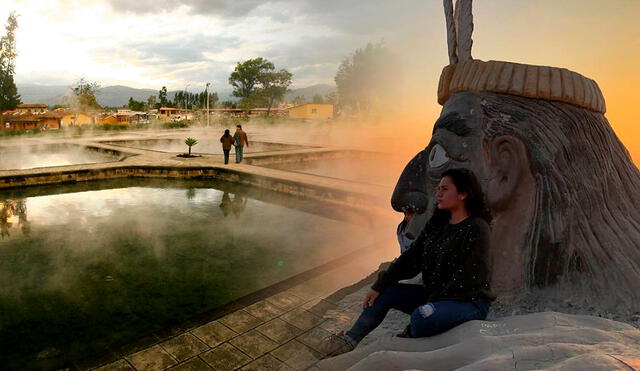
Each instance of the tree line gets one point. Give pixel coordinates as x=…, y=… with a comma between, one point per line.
x=181, y=99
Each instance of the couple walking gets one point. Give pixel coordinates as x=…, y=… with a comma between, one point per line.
x=238, y=140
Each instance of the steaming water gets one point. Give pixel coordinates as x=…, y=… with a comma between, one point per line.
x=367, y=170
x=206, y=145
x=87, y=267
x=49, y=155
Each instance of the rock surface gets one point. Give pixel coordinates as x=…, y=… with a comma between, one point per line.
x=542, y=340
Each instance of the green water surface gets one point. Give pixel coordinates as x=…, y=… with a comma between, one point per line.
x=85, y=268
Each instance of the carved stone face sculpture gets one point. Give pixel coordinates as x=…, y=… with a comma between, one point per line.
x=563, y=191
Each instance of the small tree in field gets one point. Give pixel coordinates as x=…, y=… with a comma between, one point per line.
x=190, y=142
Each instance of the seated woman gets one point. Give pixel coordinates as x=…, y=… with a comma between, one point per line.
x=450, y=253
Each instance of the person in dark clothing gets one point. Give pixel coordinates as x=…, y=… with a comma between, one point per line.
x=451, y=253
x=227, y=141
x=240, y=140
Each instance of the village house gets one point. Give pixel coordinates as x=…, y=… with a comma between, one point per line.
x=20, y=122
x=76, y=119
x=31, y=108
x=112, y=119
x=227, y=111
x=122, y=117
x=169, y=111
x=51, y=120
x=312, y=111
x=275, y=111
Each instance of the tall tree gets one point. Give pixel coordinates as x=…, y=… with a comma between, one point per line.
x=228, y=104
x=331, y=98
x=319, y=99
x=366, y=77
x=245, y=79
x=213, y=99
x=152, y=102
x=274, y=85
x=162, y=96
x=178, y=99
x=257, y=82
x=298, y=100
x=9, y=97
x=135, y=105
x=85, y=93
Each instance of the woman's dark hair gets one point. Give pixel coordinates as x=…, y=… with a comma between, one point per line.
x=226, y=133
x=466, y=182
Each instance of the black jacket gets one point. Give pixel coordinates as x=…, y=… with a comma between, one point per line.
x=453, y=261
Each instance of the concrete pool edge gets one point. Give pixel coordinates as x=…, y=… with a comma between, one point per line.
x=128, y=144
x=308, y=186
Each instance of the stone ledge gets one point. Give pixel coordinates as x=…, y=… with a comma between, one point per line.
x=298, y=184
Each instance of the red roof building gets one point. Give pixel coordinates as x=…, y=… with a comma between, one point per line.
x=32, y=108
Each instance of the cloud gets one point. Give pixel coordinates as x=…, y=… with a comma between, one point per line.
x=225, y=8
x=350, y=16
x=188, y=41
x=318, y=49
x=180, y=50
x=356, y=18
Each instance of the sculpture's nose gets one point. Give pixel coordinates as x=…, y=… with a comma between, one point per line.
x=411, y=190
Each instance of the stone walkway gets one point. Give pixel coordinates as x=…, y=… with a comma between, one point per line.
x=281, y=332
x=150, y=163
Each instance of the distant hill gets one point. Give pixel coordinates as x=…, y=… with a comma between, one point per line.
x=109, y=96
x=310, y=91
x=46, y=94
x=118, y=95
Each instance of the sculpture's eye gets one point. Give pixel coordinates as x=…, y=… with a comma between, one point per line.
x=438, y=156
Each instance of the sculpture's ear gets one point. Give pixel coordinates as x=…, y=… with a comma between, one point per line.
x=508, y=162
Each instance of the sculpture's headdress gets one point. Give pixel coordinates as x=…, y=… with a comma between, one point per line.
x=467, y=74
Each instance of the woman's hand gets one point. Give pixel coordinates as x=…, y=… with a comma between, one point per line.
x=372, y=295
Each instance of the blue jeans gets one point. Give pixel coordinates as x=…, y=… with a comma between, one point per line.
x=435, y=317
x=239, y=153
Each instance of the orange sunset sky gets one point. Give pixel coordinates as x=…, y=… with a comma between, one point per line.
x=599, y=39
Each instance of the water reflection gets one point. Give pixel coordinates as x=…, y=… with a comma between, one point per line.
x=225, y=204
x=238, y=204
x=10, y=210
x=191, y=193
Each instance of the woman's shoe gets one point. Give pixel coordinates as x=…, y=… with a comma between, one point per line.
x=406, y=333
x=336, y=344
